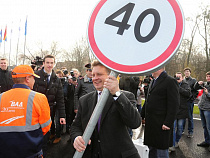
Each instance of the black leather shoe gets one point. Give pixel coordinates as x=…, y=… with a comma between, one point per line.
x=203, y=144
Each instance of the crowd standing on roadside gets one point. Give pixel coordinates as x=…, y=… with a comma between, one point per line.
x=68, y=99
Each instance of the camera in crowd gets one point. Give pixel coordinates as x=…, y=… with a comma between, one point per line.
x=72, y=75
x=63, y=80
x=147, y=79
x=65, y=72
x=37, y=61
x=203, y=85
x=177, y=78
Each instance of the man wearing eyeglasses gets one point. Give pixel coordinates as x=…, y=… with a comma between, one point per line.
x=84, y=86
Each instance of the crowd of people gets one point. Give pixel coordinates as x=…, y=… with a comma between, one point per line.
x=35, y=106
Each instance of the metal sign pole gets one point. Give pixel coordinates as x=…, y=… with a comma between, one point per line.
x=94, y=117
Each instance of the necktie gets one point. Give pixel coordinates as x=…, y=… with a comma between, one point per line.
x=48, y=79
x=99, y=120
x=153, y=83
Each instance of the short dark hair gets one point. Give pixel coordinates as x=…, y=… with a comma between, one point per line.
x=97, y=63
x=208, y=73
x=49, y=56
x=187, y=68
x=3, y=59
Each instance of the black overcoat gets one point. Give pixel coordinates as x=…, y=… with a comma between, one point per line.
x=160, y=109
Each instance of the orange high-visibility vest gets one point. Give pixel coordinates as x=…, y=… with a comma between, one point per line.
x=24, y=113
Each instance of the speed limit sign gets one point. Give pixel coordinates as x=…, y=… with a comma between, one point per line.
x=135, y=36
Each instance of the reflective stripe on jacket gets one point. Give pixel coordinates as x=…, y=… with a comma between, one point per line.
x=24, y=119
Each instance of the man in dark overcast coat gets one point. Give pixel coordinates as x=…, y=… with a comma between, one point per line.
x=159, y=112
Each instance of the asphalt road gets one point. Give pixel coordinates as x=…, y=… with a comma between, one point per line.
x=187, y=146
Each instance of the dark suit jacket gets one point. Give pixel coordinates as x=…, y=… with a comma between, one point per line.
x=113, y=139
x=160, y=108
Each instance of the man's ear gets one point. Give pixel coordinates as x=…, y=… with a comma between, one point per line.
x=27, y=79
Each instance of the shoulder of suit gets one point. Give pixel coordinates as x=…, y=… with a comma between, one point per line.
x=40, y=72
x=88, y=95
x=126, y=92
x=193, y=79
x=53, y=75
x=80, y=79
x=170, y=77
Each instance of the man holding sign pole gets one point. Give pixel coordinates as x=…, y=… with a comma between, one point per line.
x=110, y=137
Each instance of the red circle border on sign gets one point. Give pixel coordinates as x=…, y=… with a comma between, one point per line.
x=143, y=67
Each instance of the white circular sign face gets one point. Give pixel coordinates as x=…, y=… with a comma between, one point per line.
x=133, y=36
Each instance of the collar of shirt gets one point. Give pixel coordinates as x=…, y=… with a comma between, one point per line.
x=20, y=86
x=155, y=78
x=90, y=79
x=188, y=78
x=99, y=94
x=49, y=75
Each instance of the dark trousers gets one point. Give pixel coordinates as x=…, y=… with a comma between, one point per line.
x=158, y=153
x=190, y=118
x=45, y=141
x=56, y=126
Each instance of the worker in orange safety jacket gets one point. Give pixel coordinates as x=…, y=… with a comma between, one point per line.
x=24, y=117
